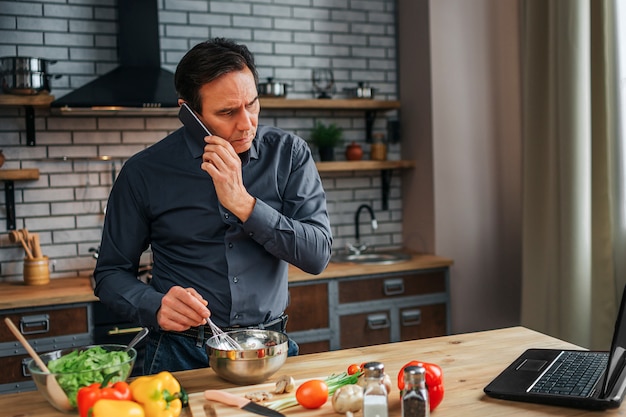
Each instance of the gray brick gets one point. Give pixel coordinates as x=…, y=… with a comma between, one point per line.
x=91, y=26
x=65, y=39
x=311, y=13
x=234, y=7
x=272, y=11
x=41, y=24
x=327, y=26
x=187, y=5
x=61, y=10
x=367, y=29
x=252, y=22
x=20, y=37
x=187, y=31
x=18, y=8
x=311, y=37
x=342, y=39
x=273, y=35
x=208, y=19
x=239, y=35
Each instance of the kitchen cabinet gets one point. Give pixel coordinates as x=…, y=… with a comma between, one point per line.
x=46, y=328
x=362, y=310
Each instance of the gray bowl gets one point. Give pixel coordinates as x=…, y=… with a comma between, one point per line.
x=264, y=352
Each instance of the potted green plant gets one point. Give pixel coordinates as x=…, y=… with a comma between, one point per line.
x=326, y=138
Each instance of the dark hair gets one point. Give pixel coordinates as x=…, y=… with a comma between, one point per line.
x=206, y=62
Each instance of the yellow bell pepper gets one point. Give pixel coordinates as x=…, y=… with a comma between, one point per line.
x=160, y=394
x=117, y=408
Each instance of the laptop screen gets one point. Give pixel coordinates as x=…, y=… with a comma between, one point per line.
x=618, y=349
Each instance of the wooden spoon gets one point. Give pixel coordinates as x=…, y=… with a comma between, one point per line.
x=57, y=396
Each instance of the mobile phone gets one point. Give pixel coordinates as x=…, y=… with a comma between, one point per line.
x=192, y=122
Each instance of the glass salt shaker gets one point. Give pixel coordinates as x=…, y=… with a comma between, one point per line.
x=415, y=402
x=375, y=393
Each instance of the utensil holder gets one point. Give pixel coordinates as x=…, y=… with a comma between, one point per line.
x=37, y=271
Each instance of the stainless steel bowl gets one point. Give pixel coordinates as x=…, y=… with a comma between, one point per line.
x=264, y=352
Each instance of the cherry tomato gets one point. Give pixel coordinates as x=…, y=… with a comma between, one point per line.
x=353, y=369
x=312, y=394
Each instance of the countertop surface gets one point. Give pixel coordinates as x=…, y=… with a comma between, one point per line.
x=77, y=290
x=469, y=362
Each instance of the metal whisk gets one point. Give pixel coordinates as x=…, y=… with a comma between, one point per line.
x=225, y=341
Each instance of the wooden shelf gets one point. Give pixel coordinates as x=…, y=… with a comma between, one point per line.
x=328, y=104
x=36, y=100
x=19, y=174
x=336, y=166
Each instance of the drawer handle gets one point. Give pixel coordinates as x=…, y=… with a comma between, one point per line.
x=411, y=317
x=377, y=321
x=35, y=324
x=393, y=286
x=25, y=372
x=117, y=330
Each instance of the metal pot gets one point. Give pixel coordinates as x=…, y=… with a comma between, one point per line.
x=24, y=64
x=25, y=75
x=272, y=89
x=25, y=83
x=361, y=91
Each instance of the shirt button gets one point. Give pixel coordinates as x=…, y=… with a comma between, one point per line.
x=251, y=234
x=230, y=245
x=226, y=215
x=235, y=280
x=237, y=316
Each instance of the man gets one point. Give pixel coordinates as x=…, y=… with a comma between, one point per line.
x=224, y=215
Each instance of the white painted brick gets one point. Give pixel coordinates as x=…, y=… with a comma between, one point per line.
x=254, y=22
x=230, y=7
x=120, y=123
x=148, y=137
x=21, y=37
x=272, y=11
x=40, y=24
x=17, y=8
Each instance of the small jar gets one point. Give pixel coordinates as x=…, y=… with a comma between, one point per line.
x=375, y=394
x=415, y=402
x=354, y=152
x=378, y=149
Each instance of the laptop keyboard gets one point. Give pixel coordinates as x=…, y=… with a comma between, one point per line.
x=573, y=373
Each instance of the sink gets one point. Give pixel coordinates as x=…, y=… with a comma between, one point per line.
x=372, y=258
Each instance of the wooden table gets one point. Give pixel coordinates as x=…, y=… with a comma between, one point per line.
x=469, y=362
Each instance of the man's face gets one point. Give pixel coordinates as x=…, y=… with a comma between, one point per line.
x=230, y=108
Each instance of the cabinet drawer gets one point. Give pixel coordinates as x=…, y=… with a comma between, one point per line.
x=351, y=291
x=422, y=322
x=308, y=307
x=46, y=322
x=365, y=329
x=314, y=347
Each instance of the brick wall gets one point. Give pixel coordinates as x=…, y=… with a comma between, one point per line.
x=289, y=38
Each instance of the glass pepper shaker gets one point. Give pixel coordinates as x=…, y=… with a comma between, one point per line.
x=415, y=402
x=375, y=393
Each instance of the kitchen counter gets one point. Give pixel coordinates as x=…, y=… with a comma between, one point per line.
x=74, y=290
x=469, y=362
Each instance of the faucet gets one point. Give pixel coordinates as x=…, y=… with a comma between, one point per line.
x=357, y=248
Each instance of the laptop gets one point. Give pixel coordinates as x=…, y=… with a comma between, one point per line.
x=546, y=376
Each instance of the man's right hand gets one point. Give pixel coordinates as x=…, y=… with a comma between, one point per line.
x=182, y=308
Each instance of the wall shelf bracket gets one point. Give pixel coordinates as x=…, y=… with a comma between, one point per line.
x=9, y=199
x=370, y=118
x=30, y=125
x=385, y=183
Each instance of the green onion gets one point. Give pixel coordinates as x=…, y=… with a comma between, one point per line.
x=333, y=382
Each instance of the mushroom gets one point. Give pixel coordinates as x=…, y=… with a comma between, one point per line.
x=284, y=384
x=386, y=382
x=348, y=399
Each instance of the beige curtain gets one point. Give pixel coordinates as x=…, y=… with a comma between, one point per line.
x=571, y=182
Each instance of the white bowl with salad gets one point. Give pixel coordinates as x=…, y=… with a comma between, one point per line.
x=79, y=367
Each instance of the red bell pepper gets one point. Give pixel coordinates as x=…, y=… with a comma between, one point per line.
x=434, y=381
x=87, y=396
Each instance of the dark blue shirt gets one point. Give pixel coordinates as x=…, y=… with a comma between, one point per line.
x=162, y=199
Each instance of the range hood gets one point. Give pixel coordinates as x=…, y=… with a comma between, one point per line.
x=138, y=84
